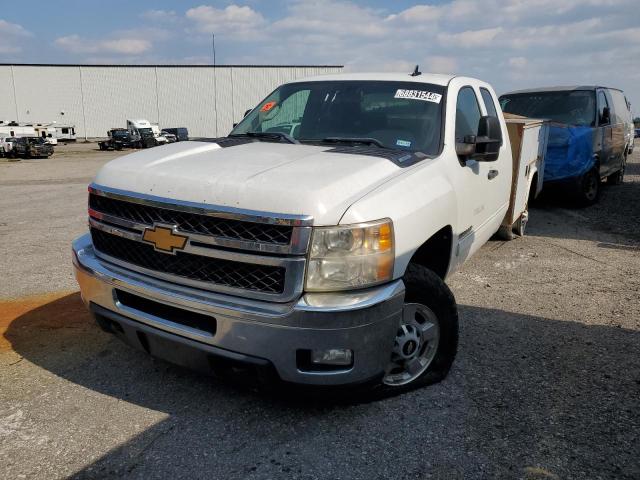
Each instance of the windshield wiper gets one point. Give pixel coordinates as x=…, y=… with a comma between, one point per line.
x=364, y=140
x=272, y=135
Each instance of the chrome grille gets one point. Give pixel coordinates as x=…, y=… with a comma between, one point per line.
x=191, y=222
x=253, y=254
x=247, y=276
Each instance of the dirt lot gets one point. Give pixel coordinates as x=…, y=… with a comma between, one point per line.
x=546, y=384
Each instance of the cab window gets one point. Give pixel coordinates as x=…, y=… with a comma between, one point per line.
x=467, y=113
x=489, y=104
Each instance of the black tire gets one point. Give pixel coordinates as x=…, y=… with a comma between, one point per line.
x=618, y=177
x=588, y=188
x=505, y=232
x=426, y=288
x=520, y=226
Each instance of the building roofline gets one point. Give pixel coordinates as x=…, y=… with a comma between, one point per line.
x=113, y=65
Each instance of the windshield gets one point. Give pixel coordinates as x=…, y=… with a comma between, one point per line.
x=574, y=107
x=397, y=115
x=35, y=141
x=145, y=132
x=119, y=133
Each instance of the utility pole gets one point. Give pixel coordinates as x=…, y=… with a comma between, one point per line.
x=215, y=84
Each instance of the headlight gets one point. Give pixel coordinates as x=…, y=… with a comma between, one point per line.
x=350, y=256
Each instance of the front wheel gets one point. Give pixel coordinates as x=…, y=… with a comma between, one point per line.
x=427, y=338
x=588, y=188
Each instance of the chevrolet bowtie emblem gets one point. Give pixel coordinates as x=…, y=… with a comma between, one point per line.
x=164, y=239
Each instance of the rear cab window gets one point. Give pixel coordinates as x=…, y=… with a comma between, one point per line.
x=489, y=103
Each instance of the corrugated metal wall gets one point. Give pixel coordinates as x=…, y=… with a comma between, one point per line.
x=97, y=98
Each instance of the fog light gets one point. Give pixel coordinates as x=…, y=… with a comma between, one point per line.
x=333, y=356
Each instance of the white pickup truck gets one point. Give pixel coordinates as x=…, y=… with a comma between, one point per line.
x=311, y=244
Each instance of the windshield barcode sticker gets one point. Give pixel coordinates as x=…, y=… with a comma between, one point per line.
x=418, y=95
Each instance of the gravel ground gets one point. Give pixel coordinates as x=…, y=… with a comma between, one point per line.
x=546, y=384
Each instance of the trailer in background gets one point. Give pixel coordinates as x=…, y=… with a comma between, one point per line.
x=46, y=131
x=14, y=130
x=65, y=132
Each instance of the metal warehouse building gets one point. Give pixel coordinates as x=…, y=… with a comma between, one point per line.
x=205, y=99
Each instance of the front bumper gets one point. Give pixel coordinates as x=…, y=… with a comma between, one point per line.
x=246, y=331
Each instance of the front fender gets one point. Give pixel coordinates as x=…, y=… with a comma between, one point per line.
x=420, y=203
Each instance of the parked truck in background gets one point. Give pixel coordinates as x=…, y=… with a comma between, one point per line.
x=317, y=254
x=181, y=133
x=145, y=133
x=6, y=146
x=32, y=147
x=119, y=138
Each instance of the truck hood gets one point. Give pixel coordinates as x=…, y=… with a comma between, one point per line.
x=261, y=176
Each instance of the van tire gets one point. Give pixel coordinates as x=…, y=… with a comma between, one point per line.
x=425, y=288
x=588, y=188
x=618, y=177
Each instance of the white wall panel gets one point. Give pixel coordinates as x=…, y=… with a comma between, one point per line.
x=7, y=99
x=48, y=94
x=114, y=94
x=103, y=97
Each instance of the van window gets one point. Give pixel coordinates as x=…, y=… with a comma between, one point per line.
x=573, y=107
x=489, y=103
x=620, y=112
x=467, y=114
x=602, y=104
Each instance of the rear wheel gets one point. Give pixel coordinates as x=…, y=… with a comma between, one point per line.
x=521, y=224
x=427, y=337
x=618, y=177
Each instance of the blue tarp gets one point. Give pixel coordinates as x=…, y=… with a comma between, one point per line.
x=569, y=152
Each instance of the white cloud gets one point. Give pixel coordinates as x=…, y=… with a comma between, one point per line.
x=236, y=21
x=417, y=14
x=12, y=37
x=440, y=64
x=124, y=46
x=470, y=38
x=13, y=30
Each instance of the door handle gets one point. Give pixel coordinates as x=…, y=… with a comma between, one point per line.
x=492, y=174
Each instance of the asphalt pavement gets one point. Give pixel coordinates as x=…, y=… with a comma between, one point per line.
x=546, y=384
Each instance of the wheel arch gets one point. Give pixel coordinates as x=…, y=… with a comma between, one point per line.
x=435, y=253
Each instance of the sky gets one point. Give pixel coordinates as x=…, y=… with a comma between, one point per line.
x=512, y=44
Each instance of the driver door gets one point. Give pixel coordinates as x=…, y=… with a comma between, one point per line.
x=604, y=135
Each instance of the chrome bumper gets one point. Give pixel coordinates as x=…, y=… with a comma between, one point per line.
x=247, y=330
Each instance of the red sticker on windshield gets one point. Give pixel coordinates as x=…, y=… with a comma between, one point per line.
x=268, y=106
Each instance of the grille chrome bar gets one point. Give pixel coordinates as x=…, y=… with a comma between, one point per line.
x=245, y=223
x=293, y=267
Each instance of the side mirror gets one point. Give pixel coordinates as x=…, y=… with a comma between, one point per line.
x=247, y=112
x=605, y=118
x=489, y=139
x=467, y=147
